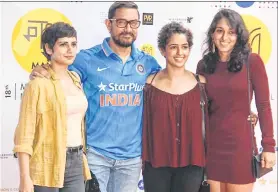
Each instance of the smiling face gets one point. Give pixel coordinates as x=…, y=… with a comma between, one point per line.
x=64, y=51
x=224, y=37
x=177, y=50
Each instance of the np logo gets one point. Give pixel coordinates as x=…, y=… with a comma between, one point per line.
x=260, y=38
x=140, y=69
x=147, y=18
x=26, y=36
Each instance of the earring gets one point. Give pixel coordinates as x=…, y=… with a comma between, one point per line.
x=213, y=47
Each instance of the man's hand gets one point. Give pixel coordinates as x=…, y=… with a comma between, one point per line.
x=40, y=71
x=253, y=118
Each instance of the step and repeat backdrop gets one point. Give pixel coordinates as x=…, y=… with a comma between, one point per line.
x=23, y=22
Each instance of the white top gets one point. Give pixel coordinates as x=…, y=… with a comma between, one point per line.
x=76, y=108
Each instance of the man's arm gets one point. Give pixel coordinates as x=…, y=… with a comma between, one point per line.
x=79, y=66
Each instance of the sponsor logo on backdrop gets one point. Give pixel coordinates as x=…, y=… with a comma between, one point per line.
x=245, y=4
x=103, y=16
x=141, y=185
x=259, y=4
x=267, y=4
x=263, y=181
x=147, y=19
x=183, y=20
x=14, y=90
x=260, y=39
x=8, y=189
x=148, y=48
x=26, y=42
x=4, y=156
x=221, y=4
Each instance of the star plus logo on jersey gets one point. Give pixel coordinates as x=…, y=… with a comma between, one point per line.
x=121, y=98
x=101, y=87
x=121, y=87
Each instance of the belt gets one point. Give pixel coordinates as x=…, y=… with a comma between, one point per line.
x=74, y=149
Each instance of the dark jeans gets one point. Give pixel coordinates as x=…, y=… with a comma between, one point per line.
x=168, y=179
x=74, y=179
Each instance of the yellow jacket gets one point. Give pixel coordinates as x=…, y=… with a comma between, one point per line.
x=42, y=130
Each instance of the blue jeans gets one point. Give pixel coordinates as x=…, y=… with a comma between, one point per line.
x=114, y=175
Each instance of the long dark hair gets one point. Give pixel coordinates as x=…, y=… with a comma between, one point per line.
x=241, y=50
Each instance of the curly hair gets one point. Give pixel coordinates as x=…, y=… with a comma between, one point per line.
x=53, y=32
x=241, y=49
x=168, y=30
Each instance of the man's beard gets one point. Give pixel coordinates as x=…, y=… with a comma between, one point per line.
x=123, y=43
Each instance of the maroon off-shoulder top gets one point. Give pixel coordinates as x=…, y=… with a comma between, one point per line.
x=172, y=128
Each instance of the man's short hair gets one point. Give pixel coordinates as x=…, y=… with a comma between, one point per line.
x=121, y=4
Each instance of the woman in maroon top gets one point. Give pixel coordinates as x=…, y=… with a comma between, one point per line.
x=173, y=149
x=229, y=148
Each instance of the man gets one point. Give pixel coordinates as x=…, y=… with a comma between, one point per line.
x=113, y=75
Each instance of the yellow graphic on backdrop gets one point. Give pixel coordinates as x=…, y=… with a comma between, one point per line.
x=260, y=38
x=26, y=37
x=148, y=48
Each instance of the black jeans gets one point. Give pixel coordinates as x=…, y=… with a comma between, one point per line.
x=74, y=179
x=168, y=179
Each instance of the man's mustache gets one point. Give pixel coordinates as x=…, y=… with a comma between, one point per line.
x=132, y=35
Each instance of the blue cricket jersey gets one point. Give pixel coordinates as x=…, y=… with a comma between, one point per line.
x=115, y=95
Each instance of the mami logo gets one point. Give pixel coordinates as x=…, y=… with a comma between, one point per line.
x=260, y=39
x=26, y=42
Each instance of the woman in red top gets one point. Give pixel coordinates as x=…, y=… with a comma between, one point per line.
x=229, y=150
x=173, y=149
